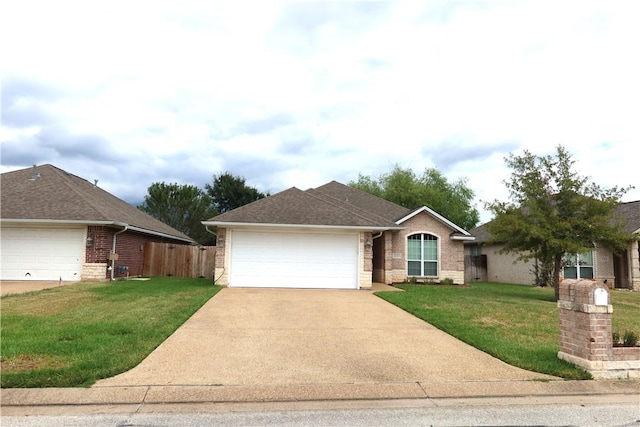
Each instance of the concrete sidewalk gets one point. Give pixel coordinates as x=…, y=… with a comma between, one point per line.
x=24, y=400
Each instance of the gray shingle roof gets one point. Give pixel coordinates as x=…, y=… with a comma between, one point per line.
x=628, y=212
x=56, y=195
x=365, y=202
x=307, y=208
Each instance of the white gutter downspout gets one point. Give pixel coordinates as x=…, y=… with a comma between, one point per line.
x=113, y=247
x=206, y=227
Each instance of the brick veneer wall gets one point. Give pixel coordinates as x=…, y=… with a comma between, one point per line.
x=365, y=264
x=221, y=271
x=451, y=252
x=586, y=335
x=128, y=248
x=585, y=329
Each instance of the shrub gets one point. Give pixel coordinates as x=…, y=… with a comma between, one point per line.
x=447, y=281
x=629, y=339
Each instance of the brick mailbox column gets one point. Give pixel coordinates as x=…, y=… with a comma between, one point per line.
x=585, y=325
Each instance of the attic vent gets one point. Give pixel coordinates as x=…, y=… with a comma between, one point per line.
x=346, y=199
x=34, y=175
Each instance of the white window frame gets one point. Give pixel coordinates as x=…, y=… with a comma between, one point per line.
x=575, y=261
x=422, y=259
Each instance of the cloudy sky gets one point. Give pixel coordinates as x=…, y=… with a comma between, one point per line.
x=298, y=93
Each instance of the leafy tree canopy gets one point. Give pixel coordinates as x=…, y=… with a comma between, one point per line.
x=228, y=192
x=453, y=200
x=182, y=207
x=553, y=211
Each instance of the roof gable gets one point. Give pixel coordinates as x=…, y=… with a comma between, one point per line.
x=439, y=217
x=48, y=193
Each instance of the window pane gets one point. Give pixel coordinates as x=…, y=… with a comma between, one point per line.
x=430, y=268
x=413, y=248
x=570, y=273
x=431, y=250
x=569, y=260
x=414, y=268
x=586, y=272
x=586, y=258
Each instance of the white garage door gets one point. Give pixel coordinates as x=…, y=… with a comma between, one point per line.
x=41, y=253
x=294, y=260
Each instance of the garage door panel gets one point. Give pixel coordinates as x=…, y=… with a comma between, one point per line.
x=41, y=254
x=296, y=260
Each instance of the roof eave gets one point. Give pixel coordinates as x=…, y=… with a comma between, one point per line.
x=464, y=238
x=310, y=226
x=61, y=221
x=160, y=234
x=89, y=222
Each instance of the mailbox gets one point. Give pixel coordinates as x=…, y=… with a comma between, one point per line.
x=600, y=296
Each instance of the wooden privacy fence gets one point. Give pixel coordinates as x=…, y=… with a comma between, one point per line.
x=166, y=259
x=475, y=268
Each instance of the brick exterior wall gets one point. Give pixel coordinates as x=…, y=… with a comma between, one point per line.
x=365, y=264
x=130, y=250
x=586, y=335
x=634, y=255
x=221, y=269
x=505, y=268
x=129, y=247
x=450, y=252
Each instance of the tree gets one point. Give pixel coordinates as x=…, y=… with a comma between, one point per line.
x=553, y=211
x=182, y=207
x=229, y=192
x=453, y=200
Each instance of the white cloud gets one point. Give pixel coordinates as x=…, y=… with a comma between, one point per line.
x=293, y=93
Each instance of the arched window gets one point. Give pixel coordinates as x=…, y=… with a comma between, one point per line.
x=422, y=255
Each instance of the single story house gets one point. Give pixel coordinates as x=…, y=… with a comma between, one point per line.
x=486, y=263
x=58, y=226
x=334, y=236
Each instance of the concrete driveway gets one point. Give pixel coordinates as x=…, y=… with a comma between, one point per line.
x=285, y=337
x=9, y=287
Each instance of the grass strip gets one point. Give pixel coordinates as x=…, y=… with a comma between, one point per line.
x=74, y=335
x=516, y=324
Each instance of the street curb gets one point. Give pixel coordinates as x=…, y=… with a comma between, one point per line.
x=165, y=394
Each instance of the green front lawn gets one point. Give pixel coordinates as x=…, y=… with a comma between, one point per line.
x=517, y=324
x=77, y=334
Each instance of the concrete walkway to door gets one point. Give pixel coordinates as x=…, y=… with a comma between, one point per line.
x=275, y=337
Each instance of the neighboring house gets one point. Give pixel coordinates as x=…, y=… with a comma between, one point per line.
x=619, y=270
x=58, y=226
x=334, y=236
